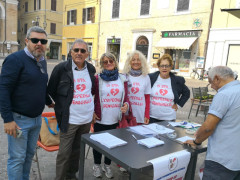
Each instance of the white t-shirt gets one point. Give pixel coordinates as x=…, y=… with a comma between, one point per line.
x=162, y=100
x=137, y=88
x=82, y=107
x=111, y=97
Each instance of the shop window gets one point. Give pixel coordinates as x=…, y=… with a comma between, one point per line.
x=115, y=9
x=183, y=5
x=53, y=28
x=72, y=17
x=26, y=6
x=88, y=15
x=145, y=7
x=37, y=5
x=53, y=5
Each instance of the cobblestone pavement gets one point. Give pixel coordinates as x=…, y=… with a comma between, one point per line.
x=47, y=160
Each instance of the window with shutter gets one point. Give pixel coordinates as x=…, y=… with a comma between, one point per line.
x=53, y=28
x=115, y=9
x=26, y=6
x=183, y=5
x=39, y=4
x=35, y=4
x=145, y=7
x=53, y=5
x=89, y=14
x=74, y=16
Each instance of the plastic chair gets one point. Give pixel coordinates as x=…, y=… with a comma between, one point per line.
x=91, y=131
x=200, y=99
x=46, y=148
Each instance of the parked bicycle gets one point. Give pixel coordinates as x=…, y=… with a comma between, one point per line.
x=195, y=75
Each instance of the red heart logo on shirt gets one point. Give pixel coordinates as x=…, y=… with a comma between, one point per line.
x=114, y=92
x=163, y=92
x=135, y=90
x=81, y=87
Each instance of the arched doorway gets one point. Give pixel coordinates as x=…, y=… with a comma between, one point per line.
x=142, y=45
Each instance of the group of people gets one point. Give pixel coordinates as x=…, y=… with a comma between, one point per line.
x=80, y=98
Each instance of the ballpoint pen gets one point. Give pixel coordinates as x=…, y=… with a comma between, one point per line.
x=134, y=137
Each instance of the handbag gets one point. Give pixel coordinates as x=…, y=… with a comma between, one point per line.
x=127, y=120
x=49, y=133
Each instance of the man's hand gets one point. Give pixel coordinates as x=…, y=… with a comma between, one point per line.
x=95, y=117
x=10, y=128
x=124, y=108
x=190, y=143
x=146, y=120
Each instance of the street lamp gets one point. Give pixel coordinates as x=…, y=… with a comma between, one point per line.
x=36, y=23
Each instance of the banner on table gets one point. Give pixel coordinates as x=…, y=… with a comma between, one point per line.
x=172, y=166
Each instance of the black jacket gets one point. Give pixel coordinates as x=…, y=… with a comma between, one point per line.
x=61, y=89
x=180, y=90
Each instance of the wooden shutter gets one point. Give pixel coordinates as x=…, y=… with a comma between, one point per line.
x=93, y=14
x=35, y=4
x=84, y=16
x=68, y=17
x=145, y=6
x=53, y=5
x=26, y=6
x=53, y=28
x=39, y=5
x=25, y=28
x=74, y=16
x=115, y=9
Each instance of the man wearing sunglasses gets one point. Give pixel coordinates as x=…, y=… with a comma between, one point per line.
x=23, y=85
x=71, y=85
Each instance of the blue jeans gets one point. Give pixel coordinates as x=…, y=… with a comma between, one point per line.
x=21, y=150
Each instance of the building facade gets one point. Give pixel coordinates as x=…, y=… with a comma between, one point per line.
x=46, y=14
x=224, y=38
x=81, y=20
x=8, y=27
x=155, y=27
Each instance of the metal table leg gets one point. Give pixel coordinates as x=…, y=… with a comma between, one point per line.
x=82, y=161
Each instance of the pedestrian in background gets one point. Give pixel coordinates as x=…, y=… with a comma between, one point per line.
x=23, y=84
x=139, y=86
x=221, y=127
x=70, y=86
x=168, y=91
x=110, y=92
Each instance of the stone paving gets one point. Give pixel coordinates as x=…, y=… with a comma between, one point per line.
x=47, y=160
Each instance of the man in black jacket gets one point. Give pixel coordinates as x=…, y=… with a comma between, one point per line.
x=71, y=85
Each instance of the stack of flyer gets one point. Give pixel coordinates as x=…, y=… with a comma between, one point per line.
x=150, y=142
x=108, y=140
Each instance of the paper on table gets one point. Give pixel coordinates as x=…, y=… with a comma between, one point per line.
x=150, y=142
x=108, y=140
x=142, y=130
x=158, y=128
x=185, y=124
x=184, y=138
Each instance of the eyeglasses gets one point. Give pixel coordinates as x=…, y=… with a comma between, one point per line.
x=76, y=50
x=110, y=61
x=164, y=66
x=36, y=40
x=40, y=67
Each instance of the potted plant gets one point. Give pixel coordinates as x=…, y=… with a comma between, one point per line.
x=48, y=55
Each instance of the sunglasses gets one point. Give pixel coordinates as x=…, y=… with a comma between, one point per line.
x=76, y=50
x=40, y=67
x=106, y=62
x=36, y=40
x=165, y=66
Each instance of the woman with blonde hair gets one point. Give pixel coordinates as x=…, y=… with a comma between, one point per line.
x=139, y=87
x=110, y=102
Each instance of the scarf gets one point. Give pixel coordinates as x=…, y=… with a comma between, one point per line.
x=133, y=72
x=109, y=75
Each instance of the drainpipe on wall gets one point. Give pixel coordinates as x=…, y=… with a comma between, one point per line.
x=206, y=44
x=99, y=18
x=5, y=33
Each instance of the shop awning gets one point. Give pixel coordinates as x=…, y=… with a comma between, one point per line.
x=234, y=12
x=176, y=43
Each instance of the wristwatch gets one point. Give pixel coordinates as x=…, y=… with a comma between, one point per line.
x=198, y=144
